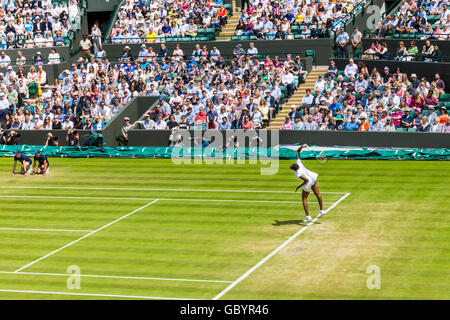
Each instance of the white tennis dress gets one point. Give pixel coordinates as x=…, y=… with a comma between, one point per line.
x=302, y=171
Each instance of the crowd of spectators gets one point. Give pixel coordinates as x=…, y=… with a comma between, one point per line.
x=429, y=19
x=285, y=19
x=36, y=60
x=428, y=53
x=194, y=89
x=356, y=99
x=152, y=21
x=31, y=24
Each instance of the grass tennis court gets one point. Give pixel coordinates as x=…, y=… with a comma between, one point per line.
x=152, y=229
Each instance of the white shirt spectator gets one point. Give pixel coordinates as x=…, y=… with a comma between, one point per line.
x=67, y=125
x=307, y=99
x=160, y=125
x=4, y=103
x=5, y=61
x=54, y=58
x=351, y=69
x=321, y=85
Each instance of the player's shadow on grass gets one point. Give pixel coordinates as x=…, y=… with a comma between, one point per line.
x=287, y=222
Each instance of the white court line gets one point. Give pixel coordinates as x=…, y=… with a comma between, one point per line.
x=50, y=230
x=274, y=252
x=92, y=294
x=145, y=189
x=114, y=277
x=85, y=236
x=161, y=199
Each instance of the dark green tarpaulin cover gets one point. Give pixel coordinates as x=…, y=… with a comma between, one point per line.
x=238, y=153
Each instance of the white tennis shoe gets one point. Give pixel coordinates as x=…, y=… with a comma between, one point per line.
x=322, y=212
x=307, y=219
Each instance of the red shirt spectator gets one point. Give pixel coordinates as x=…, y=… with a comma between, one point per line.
x=201, y=116
x=350, y=99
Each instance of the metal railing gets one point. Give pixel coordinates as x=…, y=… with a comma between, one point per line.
x=112, y=20
x=77, y=27
x=31, y=62
x=395, y=5
x=350, y=15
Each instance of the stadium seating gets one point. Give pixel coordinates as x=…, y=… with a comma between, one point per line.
x=206, y=87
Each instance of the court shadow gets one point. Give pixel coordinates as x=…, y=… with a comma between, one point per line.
x=282, y=223
x=287, y=222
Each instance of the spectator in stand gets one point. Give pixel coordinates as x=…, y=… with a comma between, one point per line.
x=287, y=124
x=351, y=69
x=356, y=39
x=342, y=41
x=436, y=126
x=393, y=103
x=54, y=57
x=39, y=25
x=446, y=126
x=86, y=46
x=5, y=60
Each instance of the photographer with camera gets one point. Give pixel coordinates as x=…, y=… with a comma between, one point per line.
x=72, y=137
x=3, y=135
x=51, y=140
x=9, y=138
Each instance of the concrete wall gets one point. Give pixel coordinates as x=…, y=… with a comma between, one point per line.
x=64, y=53
x=320, y=138
x=422, y=69
x=52, y=70
x=134, y=110
x=392, y=45
x=39, y=137
x=101, y=5
x=322, y=47
x=79, y=34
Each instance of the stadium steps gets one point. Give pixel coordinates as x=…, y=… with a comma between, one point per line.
x=229, y=29
x=297, y=97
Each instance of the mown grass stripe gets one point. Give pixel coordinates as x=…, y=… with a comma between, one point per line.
x=85, y=236
x=92, y=294
x=155, y=189
x=161, y=199
x=115, y=277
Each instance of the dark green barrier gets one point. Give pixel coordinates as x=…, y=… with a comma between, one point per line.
x=52, y=70
x=237, y=153
x=421, y=69
x=322, y=47
x=320, y=138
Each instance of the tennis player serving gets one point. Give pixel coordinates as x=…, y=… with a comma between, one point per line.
x=309, y=183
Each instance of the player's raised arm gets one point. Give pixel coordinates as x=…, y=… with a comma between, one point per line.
x=300, y=150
